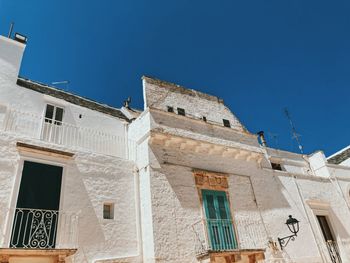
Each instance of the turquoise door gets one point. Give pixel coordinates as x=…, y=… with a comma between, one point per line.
x=218, y=220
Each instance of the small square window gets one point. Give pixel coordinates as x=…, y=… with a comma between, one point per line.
x=276, y=166
x=181, y=111
x=108, y=211
x=170, y=109
x=226, y=123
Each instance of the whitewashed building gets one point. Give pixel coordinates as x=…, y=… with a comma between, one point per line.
x=181, y=181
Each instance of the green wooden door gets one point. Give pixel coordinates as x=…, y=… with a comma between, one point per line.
x=218, y=217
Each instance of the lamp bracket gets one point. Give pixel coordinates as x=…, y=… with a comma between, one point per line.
x=285, y=240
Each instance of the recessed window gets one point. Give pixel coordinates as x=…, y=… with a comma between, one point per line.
x=181, y=111
x=226, y=123
x=204, y=118
x=108, y=211
x=170, y=109
x=276, y=166
x=54, y=114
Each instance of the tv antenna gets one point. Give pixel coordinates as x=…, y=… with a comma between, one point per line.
x=63, y=82
x=295, y=136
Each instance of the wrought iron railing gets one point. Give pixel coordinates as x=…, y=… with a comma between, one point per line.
x=333, y=251
x=214, y=235
x=223, y=235
x=44, y=229
x=68, y=135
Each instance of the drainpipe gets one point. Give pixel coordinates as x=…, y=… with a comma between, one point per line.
x=138, y=212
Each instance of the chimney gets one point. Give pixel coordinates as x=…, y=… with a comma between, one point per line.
x=262, y=138
x=11, y=53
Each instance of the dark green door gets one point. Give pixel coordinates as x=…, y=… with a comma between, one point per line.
x=36, y=216
x=218, y=218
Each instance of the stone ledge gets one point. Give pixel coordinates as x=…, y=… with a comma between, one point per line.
x=234, y=256
x=58, y=254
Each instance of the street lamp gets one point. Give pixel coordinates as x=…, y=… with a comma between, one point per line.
x=293, y=226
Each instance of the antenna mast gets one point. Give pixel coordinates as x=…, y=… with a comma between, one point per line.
x=63, y=82
x=296, y=136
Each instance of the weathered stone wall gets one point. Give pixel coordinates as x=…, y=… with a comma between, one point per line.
x=265, y=197
x=160, y=95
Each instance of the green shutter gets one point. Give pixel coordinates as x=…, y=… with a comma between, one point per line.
x=218, y=220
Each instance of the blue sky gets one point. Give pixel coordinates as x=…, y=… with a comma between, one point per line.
x=259, y=56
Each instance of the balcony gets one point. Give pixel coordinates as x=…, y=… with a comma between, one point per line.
x=67, y=135
x=40, y=229
x=333, y=251
x=220, y=236
x=37, y=234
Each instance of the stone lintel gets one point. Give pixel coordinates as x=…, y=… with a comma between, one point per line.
x=210, y=180
x=43, y=150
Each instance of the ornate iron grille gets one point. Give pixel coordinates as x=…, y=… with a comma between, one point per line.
x=41, y=229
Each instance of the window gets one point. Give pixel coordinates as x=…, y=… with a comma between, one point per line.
x=328, y=236
x=52, y=127
x=226, y=123
x=204, y=118
x=276, y=166
x=53, y=114
x=181, y=111
x=108, y=211
x=170, y=109
x=219, y=225
x=325, y=228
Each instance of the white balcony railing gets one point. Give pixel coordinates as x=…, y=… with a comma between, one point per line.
x=43, y=229
x=68, y=135
x=333, y=251
x=223, y=235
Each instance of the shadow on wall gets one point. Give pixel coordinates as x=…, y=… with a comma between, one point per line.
x=76, y=190
x=177, y=166
x=201, y=128
x=275, y=192
x=88, y=184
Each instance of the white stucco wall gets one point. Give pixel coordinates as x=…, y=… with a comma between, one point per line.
x=89, y=180
x=257, y=193
x=11, y=53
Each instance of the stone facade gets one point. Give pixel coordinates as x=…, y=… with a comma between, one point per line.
x=155, y=167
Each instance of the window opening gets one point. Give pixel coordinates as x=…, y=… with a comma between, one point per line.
x=181, y=111
x=52, y=126
x=226, y=123
x=276, y=166
x=108, y=211
x=170, y=109
x=331, y=243
x=54, y=114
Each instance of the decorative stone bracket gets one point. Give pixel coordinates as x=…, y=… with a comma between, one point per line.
x=203, y=147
